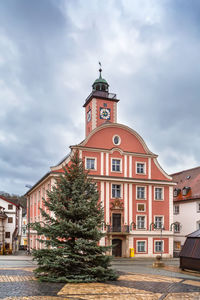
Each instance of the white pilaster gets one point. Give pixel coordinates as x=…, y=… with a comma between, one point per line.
x=107, y=203
x=80, y=154
x=102, y=194
x=107, y=164
x=130, y=166
x=130, y=241
x=149, y=165
x=130, y=203
x=94, y=115
x=150, y=204
x=102, y=162
x=171, y=246
x=170, y=206
x=125, y=165
x=102, y=241
x=150, y=246
x=126, y=203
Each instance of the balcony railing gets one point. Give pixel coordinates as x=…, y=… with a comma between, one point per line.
x=121, y=229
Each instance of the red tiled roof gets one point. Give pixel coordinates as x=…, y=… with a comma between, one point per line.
x=188, y=178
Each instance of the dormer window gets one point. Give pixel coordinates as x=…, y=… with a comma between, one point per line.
x=176, y=192
x=185, y=190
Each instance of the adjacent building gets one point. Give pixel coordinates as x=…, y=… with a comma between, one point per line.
x=135, y=192
x=10, y=225
x=186, y=205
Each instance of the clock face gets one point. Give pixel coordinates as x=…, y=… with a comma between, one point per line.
x=89, y=115
x=105, y=113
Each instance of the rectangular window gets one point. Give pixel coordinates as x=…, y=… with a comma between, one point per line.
x=7, y=235
x=176, y=209
x=90, y=163
x=158, y=193
x=10, y=220
x=198, y=207
x=140, y=168
x=116, y=165
x=10, y=206
x=140, y=192
x=141, y=246
x=158, y=246
x=177, y=246
x=116, y=191
x=158, y=222
x=140, y=207
x=140, y=222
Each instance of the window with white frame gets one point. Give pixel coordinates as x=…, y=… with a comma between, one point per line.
x=198, y=206
x=158, y=222
x=176, y=209
x=141, y=192
x=177, y=227
x=158, y=246
x=141, y=246
x=90, y=163
x=116, y=190
x=116, y=165
x=140, y=222
x=158, y=193
x=140, y=168
x=141, y=207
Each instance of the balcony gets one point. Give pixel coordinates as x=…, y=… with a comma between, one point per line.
x=124, y=229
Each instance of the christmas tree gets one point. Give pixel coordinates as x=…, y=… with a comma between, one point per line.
x=72, y=228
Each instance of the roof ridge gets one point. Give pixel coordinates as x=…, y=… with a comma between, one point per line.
x=184, y=171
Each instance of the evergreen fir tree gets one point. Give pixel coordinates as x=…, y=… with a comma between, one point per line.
x=72, y=252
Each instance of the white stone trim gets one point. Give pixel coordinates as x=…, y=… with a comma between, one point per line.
x=130, y=166
x=150, y=204
x=150, y=245
x=126, y=203
x=115, y=112
x=80, y=154
x=125, y=165
x=145, y=243
x=94, y=114
x=107, y=203
x=154, y=193
x=141, y=211
x=95, y=163
x=145, y=167
x=121, y=166
x=130, y=203
x=107, y=164
x=138, y=181
x=161, y=170
x=117, y=125
x=145, y=221
x=145, y=192
x=170, y=205
x=102, y=163
x=149, y=167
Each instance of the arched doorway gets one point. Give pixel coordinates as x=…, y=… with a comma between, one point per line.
x=117, y=247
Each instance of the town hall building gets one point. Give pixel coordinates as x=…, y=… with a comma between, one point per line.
x=135, y=192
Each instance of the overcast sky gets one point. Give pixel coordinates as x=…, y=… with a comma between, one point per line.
x=49, y=53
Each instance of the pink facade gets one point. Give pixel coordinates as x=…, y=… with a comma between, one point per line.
x=135, y=192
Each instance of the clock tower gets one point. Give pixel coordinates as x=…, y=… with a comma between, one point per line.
x=100, y=105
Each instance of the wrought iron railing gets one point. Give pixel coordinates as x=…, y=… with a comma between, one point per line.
x=122, y=229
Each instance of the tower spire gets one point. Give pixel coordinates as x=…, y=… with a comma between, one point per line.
x=100, y=70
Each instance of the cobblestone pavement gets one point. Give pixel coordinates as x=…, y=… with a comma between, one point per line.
x=20, y=284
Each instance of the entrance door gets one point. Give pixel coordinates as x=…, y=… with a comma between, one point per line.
x=117, y=247
x=116, y=222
